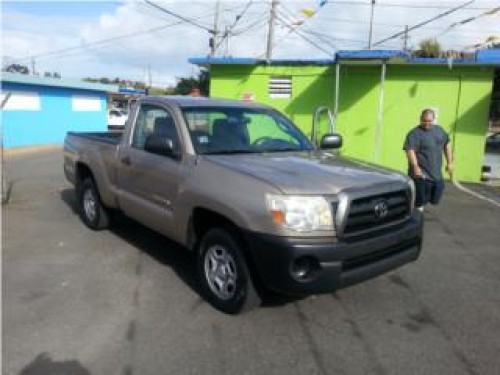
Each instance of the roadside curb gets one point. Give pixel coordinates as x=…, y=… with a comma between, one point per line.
x=16, y=151
x=459, y=186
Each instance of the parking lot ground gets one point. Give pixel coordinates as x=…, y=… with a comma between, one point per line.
x=125, y=301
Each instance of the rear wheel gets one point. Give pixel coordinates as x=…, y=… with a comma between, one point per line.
x=92, y=211
x=224, y=275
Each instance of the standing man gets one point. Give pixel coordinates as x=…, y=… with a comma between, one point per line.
x=424, y=146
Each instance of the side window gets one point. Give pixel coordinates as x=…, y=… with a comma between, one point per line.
x=153, y=121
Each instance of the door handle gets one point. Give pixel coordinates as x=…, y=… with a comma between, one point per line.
x=126, y=160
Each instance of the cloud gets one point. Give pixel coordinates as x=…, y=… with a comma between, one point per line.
x=122, y=41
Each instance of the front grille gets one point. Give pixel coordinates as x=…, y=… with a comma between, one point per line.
x=363, y=211
x=370, y=258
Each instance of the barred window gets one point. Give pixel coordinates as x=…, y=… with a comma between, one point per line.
x=280, y=87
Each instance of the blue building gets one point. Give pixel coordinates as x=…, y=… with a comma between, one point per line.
x=40, y=110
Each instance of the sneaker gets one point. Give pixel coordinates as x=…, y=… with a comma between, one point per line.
x=421, y=208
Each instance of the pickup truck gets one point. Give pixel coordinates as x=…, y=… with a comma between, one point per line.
x=262, y=205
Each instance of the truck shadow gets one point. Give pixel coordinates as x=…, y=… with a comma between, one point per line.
x=149, y=242
x=167, y=252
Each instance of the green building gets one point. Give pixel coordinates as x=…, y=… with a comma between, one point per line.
x=376, y=98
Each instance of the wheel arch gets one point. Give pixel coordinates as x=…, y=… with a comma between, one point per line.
x=203, y=219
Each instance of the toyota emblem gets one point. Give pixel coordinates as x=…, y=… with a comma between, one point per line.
x=381, y=210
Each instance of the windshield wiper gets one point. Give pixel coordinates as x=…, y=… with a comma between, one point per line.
x=285, y=149
x=229, y=152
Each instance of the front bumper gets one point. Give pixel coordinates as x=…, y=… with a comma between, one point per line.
x=334, y=263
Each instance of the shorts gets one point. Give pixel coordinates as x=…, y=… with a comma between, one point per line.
x=428, y=191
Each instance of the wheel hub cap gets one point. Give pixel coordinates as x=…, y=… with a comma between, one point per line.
x=89, y=204
x=220, y=272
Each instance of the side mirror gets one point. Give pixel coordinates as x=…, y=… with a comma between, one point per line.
x=161, y=145
x=332, y=140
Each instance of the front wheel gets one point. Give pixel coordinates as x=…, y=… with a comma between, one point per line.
x=92, y=211
x=224, y=275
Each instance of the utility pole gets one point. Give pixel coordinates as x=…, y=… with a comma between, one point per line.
x=270, y=34
x=418, y=25
x=226, y=35
x=371, y=26
x=405, y=39
x=150, y=83
x=33, y=72
x=215, y=31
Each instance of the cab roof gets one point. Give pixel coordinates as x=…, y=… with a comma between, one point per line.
x=199, y=101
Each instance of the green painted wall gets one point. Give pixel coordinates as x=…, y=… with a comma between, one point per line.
x=460, y=95
x=471, y=122
x=311, y=88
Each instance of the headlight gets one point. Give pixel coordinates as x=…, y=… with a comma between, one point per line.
x=301, y=214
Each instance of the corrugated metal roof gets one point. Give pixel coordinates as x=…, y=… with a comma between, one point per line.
x=252, y=61
x=371, y=54
x=441, y=61
x=483, y=57
x=488, y=55
x=56, y=82
x=128, y=90
x=222, y=61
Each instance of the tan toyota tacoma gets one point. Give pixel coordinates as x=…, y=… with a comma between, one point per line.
x=263, y=207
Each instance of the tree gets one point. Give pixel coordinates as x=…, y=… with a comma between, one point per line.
x=204, y=79
x=429, y=48
x=16, y=68
x=186, y=86
x=493, y=42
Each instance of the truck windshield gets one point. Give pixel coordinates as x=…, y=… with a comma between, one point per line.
x=225, y=130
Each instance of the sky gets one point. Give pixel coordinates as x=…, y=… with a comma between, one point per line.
x=129, y=38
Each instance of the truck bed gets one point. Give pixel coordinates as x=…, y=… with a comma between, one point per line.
x=112, y=137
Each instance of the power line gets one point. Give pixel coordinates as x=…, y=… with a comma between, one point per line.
x=403, y=5
x=468, y=20
x=313, y=32
x=101, y=41
x=176, y=15
x=288, y=18
x=441, y=15
x=346, y=20
x=294, y=30
x=230, y=28
x=251, y=26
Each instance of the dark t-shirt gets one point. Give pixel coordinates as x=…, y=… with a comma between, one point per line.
x=428, y=145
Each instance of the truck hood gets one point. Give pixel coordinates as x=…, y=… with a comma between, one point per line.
x=314, y=172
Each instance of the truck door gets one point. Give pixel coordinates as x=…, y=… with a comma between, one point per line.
x=148, y=182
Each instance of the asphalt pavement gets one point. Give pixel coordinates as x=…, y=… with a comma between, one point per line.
x=125, y=301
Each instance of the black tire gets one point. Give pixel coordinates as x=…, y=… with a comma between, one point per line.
x=238, y=293
x=91, y=210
